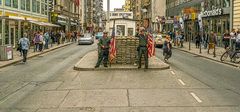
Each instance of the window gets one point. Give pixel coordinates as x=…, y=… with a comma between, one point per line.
x=38, y=7
x=34, y=5
x=42, y=8
x=0, y=2
x=28, y=3
x=23, y=4
x=8, y=3
x=15, y=3
x=46, y=9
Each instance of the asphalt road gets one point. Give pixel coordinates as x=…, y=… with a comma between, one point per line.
x=214, y=74
x=48, y=83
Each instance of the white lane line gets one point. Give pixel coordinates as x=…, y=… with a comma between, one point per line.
x=196, y=97
x=181, y=82
x=173, y=72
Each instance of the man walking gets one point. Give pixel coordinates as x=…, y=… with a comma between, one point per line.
x=104, y=50
x=142, y=48
x=24, y=42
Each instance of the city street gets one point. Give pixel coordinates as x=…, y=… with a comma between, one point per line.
x=48, y=83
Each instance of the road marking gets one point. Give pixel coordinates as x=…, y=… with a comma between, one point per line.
x=173, y=72
x=196, y=97
x=181, y=82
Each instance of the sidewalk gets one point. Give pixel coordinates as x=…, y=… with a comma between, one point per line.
x=17, y=58
x=195, y=51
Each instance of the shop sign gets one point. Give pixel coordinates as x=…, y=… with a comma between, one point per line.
x=214, y=12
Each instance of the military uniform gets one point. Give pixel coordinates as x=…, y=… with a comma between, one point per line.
x=142, y=50
x=103, y=46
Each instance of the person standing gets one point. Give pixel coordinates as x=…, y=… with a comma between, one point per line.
x=167, y=46
x=36, y=41
x=142, y=48
x=24, y=43
x=41, y=42
x=226, y=39
x=104, y=50
x=212, y=43
x=46, y=38
x=198, y=40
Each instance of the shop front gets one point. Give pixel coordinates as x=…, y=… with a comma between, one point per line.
x=216, y=20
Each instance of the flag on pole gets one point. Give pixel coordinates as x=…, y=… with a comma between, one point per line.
x=113, y=51
x=150, y=45
x=77, y=3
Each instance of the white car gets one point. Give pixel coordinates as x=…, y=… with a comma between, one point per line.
x=87, y=38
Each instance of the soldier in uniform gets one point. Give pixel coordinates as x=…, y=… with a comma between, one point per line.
x=142, y=48
x=104, y=50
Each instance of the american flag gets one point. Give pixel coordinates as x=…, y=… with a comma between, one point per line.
x=150, y=46
x=113, y=51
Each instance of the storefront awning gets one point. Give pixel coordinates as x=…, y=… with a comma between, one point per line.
x=13, y=17
x=44, y=24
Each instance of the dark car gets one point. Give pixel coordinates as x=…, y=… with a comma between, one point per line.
x=87, y=38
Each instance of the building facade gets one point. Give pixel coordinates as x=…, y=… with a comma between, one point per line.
x=66, y=13
x=185, y=16
x=19, y=16
x=137, y=12
x=236, y=14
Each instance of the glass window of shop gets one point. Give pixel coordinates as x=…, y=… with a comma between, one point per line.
x=46, y=9
x=8, y=2
x=0, y=4
x=28, y=3
x=34, y=5
x=7, y=32
x=15, y=3
x=23, y=4
x=38, y=7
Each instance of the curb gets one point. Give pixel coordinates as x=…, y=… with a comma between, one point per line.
x=29, y=57
x=207, y=57
x=119, y=69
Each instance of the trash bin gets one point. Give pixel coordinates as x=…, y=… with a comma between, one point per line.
x=6, y=52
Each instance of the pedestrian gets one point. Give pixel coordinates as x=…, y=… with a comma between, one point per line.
x=58, y=37
x=46, y=38
x=104, y=50
x=182, y=40
x=212, y=43
x=238, y=40
x=178, y=38
x=142, y=48
x=197, y=40
x=41, y=43
x=19, y=48
x=167, y=48
x=24, y=42
x=226, y=39
x=233, y=35
x=36, y=41
x=205, y=40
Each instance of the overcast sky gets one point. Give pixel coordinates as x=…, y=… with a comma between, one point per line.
x=113, y=4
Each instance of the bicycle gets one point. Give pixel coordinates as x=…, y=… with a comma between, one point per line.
x=233, y=55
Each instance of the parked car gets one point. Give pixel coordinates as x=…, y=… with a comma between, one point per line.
x=159, y=40
x=99, y=35
x=87, y=38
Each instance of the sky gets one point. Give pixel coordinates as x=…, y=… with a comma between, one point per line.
x=113, y=4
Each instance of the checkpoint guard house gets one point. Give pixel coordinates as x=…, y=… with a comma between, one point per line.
x=124, y=23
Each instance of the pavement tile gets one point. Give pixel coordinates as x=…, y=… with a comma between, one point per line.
x=18, y=110
x=121, y=80
x=144, y=109
x=43, y=99
x=160, y=97
x=50, y=85
x=96, y=98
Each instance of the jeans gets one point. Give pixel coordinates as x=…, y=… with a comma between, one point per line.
x=24, y=55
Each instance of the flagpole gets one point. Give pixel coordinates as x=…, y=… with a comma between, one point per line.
x=108, y=15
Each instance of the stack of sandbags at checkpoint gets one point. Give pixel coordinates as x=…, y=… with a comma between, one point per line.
x=126, y=50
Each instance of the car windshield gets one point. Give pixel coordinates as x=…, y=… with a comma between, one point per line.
x=87, y=35
x=100, y=33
